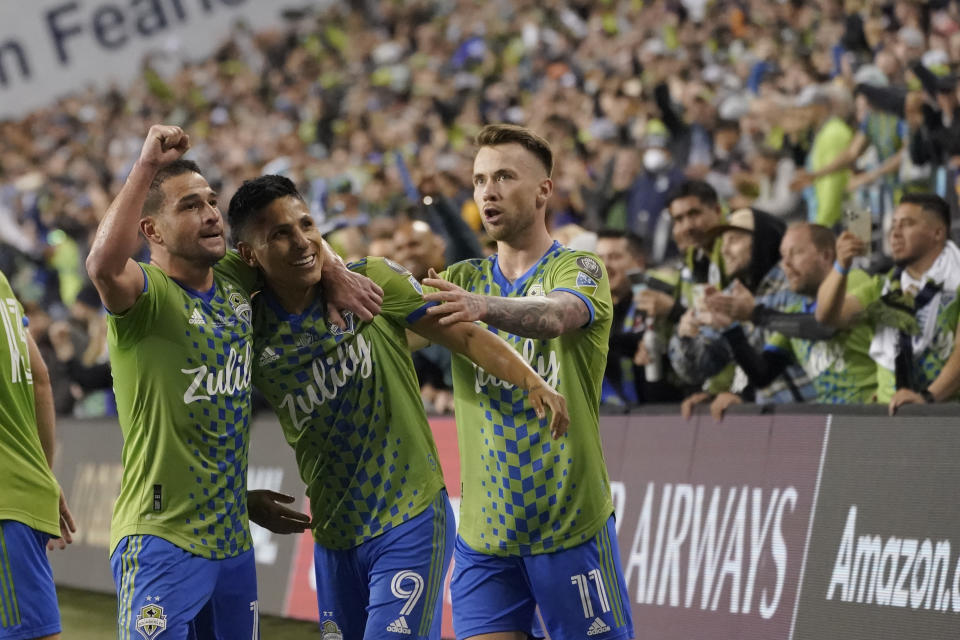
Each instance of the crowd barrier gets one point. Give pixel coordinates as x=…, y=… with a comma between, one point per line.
x=801, y=522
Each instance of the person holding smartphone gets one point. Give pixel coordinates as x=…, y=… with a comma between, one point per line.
x=915, y=305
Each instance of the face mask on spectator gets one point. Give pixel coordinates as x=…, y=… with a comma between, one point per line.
x=655, y=160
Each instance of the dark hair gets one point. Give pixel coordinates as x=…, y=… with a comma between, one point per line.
x=254, y=196
x=497, y=134
x=930, y=202
x=823, y=238
x=635, y=244
x=154, y=199
x=695, y=189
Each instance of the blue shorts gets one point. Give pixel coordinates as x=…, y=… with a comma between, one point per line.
x=580, y=591
x=390, y=586
x=162, y=588
x=28, y=599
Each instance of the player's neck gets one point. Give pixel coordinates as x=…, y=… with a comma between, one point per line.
x=191, y=274
x=517, y=255
x=293, y=299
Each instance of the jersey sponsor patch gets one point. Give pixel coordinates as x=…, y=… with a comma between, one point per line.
x=583, y=280
x=591, y=266
x=535, y=290
x=399, y=268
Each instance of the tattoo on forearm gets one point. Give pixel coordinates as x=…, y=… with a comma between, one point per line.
x=536, y=317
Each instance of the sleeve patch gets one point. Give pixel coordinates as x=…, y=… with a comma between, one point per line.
x=591, y=267
x=415, y=284
x=583, y=280
x=393, y=265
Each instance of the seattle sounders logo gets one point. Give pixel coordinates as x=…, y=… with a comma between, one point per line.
x=150, y=621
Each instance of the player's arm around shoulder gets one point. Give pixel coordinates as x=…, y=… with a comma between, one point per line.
x=569, y=305
x=349, y=288
x=234, y=268
x=497, y=358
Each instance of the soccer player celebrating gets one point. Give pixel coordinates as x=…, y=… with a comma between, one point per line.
x=180, y=351
x=349, y=404
x=29, y=512
x=536, y=523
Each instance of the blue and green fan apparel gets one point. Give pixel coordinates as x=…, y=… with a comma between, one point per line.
x=928, y=362
x=840, y=369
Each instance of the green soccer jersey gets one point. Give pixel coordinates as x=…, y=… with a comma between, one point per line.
x=29, y=492
x=928, y=362
x=840, y=369
x=349, y=403
x=181, y=375
x=523, y=492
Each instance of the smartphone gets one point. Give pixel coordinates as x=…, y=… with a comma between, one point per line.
x=859, y=222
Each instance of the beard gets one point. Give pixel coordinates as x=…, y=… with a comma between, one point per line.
x=904, y=261
x=509, y=228
x=199, y=255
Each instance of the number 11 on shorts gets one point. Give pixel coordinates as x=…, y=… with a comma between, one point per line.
x=580, y=580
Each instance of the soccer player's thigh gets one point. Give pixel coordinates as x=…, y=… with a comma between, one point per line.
x=232, y=611
x=342, y=591
x=160, y=587
x=28, y=599
x=407, y=568
x=491, y=595
x=581, y=591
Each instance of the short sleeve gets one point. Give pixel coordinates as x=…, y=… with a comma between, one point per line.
x=583, y=274
x=232, y=268
x=403, y=302
x=129, y=327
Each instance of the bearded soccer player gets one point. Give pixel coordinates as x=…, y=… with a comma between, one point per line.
x=180, y=349
x=536, y=516
x=349, y=405
x=32, y=509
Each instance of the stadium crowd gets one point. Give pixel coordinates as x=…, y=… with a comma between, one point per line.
x=771, y=185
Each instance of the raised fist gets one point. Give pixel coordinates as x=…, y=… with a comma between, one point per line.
x=163, y=145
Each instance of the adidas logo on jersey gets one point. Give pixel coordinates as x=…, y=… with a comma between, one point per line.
x=400, y=626
x=196, y=318
x=598, y=627
x=268, y=356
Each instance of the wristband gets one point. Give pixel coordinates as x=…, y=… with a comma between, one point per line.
x=928, y=396
x=839, y=268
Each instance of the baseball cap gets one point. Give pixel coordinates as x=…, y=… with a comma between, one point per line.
x=740, y=220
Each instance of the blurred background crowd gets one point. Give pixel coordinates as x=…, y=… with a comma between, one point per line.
x=689, y=135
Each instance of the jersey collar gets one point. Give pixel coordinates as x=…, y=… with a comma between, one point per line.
x=506, y=287
x=294, y=318
x=206, y=296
